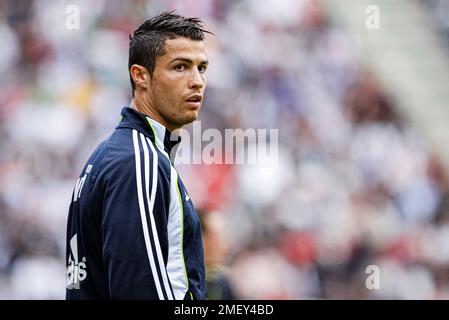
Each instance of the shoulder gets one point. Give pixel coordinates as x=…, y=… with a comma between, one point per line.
x=128, y=151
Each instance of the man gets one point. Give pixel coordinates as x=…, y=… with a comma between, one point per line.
x=133, y=232
x=215, y=240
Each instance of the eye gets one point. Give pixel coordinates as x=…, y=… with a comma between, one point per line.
x=180, y=67
x=202, y=69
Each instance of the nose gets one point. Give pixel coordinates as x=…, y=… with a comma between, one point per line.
x=197, y=80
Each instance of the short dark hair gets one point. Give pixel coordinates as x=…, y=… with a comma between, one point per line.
x=147, y=42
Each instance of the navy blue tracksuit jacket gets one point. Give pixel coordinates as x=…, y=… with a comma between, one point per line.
x=132, y=231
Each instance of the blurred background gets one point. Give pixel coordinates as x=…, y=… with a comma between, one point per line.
x=362, y=113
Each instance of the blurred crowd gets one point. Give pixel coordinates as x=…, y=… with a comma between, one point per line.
x=439, y=17
x=355, y=185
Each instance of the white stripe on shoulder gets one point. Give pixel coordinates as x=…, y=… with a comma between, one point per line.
x=176, y=264
x=150, y=202
x=143, y=216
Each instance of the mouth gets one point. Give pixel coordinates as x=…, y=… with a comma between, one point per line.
x=194, y=101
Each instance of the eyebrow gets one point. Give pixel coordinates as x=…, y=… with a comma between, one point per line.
x=206, y=62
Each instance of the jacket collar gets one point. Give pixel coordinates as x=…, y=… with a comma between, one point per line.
x=161, y=137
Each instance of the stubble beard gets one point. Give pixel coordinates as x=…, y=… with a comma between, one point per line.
x=178, y=119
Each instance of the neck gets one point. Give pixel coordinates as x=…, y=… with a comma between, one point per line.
x=147, y=109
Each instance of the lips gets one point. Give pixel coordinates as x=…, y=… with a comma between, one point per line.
x=195, y=98
x=194, y=101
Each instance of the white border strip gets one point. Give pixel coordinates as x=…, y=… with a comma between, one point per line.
x=150, y=202
x=143, y=216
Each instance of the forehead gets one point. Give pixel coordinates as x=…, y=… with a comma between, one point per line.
x=184, y=48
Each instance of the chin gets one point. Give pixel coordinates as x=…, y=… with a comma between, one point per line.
x=192, y=117
x=190, y=120
x=186, y=120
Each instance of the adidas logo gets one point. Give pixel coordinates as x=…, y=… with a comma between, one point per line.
x=187, y=198
x=76, y=271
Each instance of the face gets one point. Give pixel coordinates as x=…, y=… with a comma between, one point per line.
x=176, y=89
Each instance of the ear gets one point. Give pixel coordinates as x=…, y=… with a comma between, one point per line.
x=140, y=75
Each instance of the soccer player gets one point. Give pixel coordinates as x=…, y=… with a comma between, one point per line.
x=133, y=232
